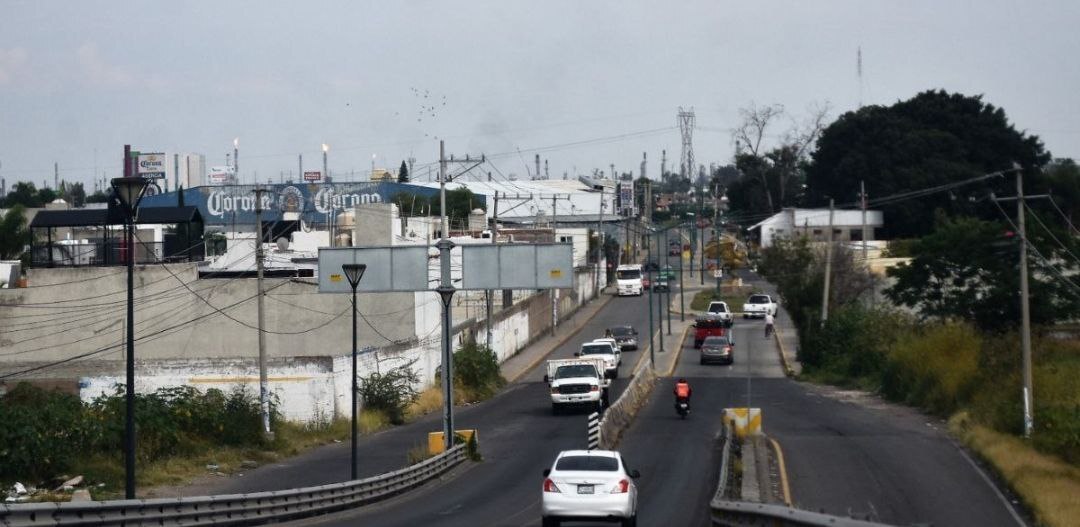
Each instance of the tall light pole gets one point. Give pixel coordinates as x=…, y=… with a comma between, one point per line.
x=325, y=171
x=236, y=158
x=354, y=272
x=129, y=190
x=648, y=273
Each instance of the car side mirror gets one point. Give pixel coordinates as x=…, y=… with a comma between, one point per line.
x=547, y=472
x=634, y=474
x=577, y=353
x=547, y=379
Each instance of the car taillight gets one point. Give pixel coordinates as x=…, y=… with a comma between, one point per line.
x=549, y=486
x=622, y=487
x=594, y=388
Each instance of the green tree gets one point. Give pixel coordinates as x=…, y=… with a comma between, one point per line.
x=25, y=194
x=98, y=197
x=968, y=269
x=931, y=139
x=459, y=203
x=75, y=194
x=14, y=236
x=410, y=204
x=403, y=173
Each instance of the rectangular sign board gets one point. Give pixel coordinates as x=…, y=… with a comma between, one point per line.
x=403, y=268
x=517, y=266
x=152, y=166
x=312, y=176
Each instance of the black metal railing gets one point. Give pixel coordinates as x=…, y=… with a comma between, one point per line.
x=108, y=252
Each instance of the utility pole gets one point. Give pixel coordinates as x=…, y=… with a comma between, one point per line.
x=668, y=300
x=600, y=242
x=1025, y=311
x=648, y=273
x=446, y=294
x=555, y=239
x=264, y=384
x=862, y=199
x=489, y=293
x=828, y=268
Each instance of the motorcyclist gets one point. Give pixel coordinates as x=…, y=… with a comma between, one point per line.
x=682, y=392
x=768, y=324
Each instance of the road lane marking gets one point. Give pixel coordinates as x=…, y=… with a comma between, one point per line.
x=783, y=472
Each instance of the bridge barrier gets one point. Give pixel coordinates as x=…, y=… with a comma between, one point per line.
x=233, y=509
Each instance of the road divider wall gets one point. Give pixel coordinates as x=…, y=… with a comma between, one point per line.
x=621, y=413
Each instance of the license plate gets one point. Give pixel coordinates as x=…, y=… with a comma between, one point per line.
x=584, y=489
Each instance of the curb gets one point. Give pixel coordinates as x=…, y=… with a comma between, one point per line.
x=678, y=354
x=568, y=336
x=783, y=354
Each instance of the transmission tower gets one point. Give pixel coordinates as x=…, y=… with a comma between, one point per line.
x=686, y=127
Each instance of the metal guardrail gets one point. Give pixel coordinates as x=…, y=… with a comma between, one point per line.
x=233, y=509
x=731, y=513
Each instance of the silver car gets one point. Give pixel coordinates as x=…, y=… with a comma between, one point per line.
x=718, y=349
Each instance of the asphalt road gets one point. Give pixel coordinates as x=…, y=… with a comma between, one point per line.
x=844, y=455
x=519, y=437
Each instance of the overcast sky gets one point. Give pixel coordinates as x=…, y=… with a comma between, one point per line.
x=80, y=79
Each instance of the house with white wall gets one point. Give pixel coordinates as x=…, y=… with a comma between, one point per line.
x=847, y=225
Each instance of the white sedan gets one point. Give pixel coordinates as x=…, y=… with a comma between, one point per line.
x=589, y=485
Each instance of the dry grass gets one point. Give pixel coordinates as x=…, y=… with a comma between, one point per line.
x=429, y=400
x=371, y=421
x=417, y=454
x=1049, y=486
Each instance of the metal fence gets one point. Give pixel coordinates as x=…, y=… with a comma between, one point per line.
x=105, y=252
x=234, y=509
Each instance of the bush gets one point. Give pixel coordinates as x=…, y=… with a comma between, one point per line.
x=935, y=369
x=476, y=369
x=852, y=346
x=390, y=392
x=46, y=433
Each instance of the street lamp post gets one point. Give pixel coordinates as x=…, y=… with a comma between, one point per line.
x=129, y=190
x=667, y=299
x=648, y=273
x=354, y=272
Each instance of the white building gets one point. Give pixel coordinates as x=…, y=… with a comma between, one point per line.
x=814, y=224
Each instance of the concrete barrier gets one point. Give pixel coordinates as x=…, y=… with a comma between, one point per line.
x=619, y=415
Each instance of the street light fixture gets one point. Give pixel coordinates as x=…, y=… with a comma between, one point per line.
x=354, y=272
x=129, y=191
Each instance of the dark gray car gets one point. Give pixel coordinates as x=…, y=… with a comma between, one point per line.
x=718, y=349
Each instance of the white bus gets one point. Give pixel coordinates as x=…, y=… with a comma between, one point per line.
x=628, y=278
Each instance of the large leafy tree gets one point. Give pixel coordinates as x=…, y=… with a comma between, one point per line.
x=24, y=193
x=969, y=269
x=14, y=236
x=932, y=139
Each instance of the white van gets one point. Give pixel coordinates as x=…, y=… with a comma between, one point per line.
x=628, y=280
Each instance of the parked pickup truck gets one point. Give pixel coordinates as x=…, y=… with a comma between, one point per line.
x=577, y=382
x=605, y=349
x=719, y=309
x=758, y=305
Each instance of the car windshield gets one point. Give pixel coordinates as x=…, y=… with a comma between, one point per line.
x=715, y=341
x=593, y=463
x=629, y=274
x=758, y=299
x=598, y=349
x=622, y=332
x=576, y=370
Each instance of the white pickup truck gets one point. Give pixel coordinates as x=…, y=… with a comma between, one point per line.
x=758, y=305
x=606, y=349
x=719, y=309
x=577, y=382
